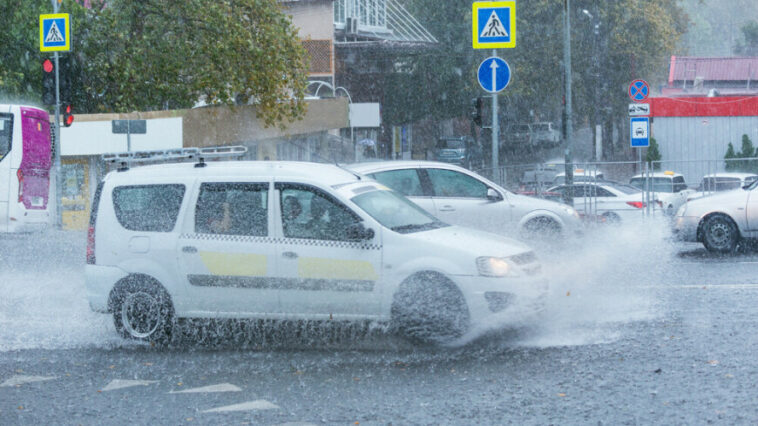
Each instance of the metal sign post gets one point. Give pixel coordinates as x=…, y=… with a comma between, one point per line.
x=494, y=75
x=55, y=36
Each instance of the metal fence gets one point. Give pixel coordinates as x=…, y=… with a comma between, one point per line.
x=658, y=180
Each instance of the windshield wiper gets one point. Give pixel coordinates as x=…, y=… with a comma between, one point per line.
x=417, y=227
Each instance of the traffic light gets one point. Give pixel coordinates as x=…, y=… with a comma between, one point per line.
x=476, y=111
x=68, y=116
x=48, y=82
x=64, y=80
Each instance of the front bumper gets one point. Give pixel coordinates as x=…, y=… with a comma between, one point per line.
x=504, y=301
x=685, y=228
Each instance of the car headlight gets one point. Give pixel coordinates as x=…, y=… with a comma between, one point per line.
x=495, y=267
x=681, y=210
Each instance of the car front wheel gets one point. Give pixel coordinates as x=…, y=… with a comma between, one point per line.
x=720, y=234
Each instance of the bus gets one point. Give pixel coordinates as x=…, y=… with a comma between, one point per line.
x=25, y=161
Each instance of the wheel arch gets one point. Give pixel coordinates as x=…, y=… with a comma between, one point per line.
x=135, y=279
x=534, y=214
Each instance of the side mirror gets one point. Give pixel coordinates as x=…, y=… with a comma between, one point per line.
x=493, y=195
x=358, y=232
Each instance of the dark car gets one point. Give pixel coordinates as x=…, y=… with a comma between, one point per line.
x=460, y=150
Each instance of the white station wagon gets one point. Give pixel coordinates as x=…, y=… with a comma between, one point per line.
x=292, y=241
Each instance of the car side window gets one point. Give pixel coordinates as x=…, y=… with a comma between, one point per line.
x=232, y=209
x=449, y=183
x=405, y=181
x=148, y=208
x=309, y=213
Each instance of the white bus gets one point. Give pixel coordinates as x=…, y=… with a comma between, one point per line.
x=25, y=160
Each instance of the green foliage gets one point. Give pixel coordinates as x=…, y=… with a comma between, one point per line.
x=750, y=45
x=653, y=154
x=747, y=152
x=152, y=54
x=626, y=46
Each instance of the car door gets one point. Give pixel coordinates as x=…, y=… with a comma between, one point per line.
x=461, y=199
x=227, y=252
x=751, y=209
x=408, y=182
x=323, y=272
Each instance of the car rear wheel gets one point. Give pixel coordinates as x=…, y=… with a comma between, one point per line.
x=611, y=218
x=142, y=310
x=720, y=234
x=428, y=308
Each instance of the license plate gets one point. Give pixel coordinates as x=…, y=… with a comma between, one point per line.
x=37, y=201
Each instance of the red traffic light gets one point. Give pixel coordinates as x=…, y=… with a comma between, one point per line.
x=47, y=65
x=68, y=117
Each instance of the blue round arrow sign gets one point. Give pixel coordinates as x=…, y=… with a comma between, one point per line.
x=494, y=74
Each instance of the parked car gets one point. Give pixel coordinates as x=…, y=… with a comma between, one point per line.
x=669, y=188
x=545, y=133
x=462, y=197
x=723, y=181
x=580, y=175
x=519, y=134
x=461, y=150
x=295, y=241
x=612, y=202
x=720, y=221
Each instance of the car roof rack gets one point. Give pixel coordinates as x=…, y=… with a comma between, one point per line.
x=125, y=160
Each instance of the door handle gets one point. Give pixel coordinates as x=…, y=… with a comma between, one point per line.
x=290, y=255
x=189, y=249
x=447, y=209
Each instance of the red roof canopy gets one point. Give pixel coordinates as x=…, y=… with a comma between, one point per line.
x=720, y=106
x=712, y=69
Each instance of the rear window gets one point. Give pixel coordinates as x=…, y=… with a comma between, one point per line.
x=450, y=144
x=150, y=208
x=6, y=132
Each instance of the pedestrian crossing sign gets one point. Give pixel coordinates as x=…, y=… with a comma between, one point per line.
x=494, y=24
x=54, y=32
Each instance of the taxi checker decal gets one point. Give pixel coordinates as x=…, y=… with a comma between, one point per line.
x=280, y=283
x=299, y=241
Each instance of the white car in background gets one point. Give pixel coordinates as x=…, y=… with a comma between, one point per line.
x=669, y=188
x=580, y=175
x=723, y=181
x=720, y=221
x=461, y=197
x=612, y=202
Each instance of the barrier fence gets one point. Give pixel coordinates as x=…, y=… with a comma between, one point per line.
x=663, y=185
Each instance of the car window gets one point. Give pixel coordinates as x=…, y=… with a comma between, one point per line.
x=449, y=183
x=6, y=132
x=405, y=181
x=232, y=209
x=310, y=213
x=152, y=208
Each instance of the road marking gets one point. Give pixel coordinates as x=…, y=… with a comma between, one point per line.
x=223, y=387
x=20, y=380
x=707, y=286
x=259, y=404
x=121, y=384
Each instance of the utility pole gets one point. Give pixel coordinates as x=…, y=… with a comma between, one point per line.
x=567, y=126
x=496, y=136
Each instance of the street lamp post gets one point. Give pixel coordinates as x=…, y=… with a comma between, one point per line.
x=350, y=102
x=568, y=128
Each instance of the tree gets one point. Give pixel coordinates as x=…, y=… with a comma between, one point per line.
x=151, y=55
x=653, y=155
x=749, y=47
x=730, y=155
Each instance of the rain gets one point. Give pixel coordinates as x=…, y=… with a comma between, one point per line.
x=378, y=212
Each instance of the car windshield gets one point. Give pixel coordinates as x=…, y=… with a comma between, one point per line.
x=450, y=144
x=396, y=212
x=541, y=127
x=659, y=184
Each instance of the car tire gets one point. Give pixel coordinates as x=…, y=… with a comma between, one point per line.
x=541, y=228
x=429, y=309
x=720, y=234
x=142, y=310
x=612, y=219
